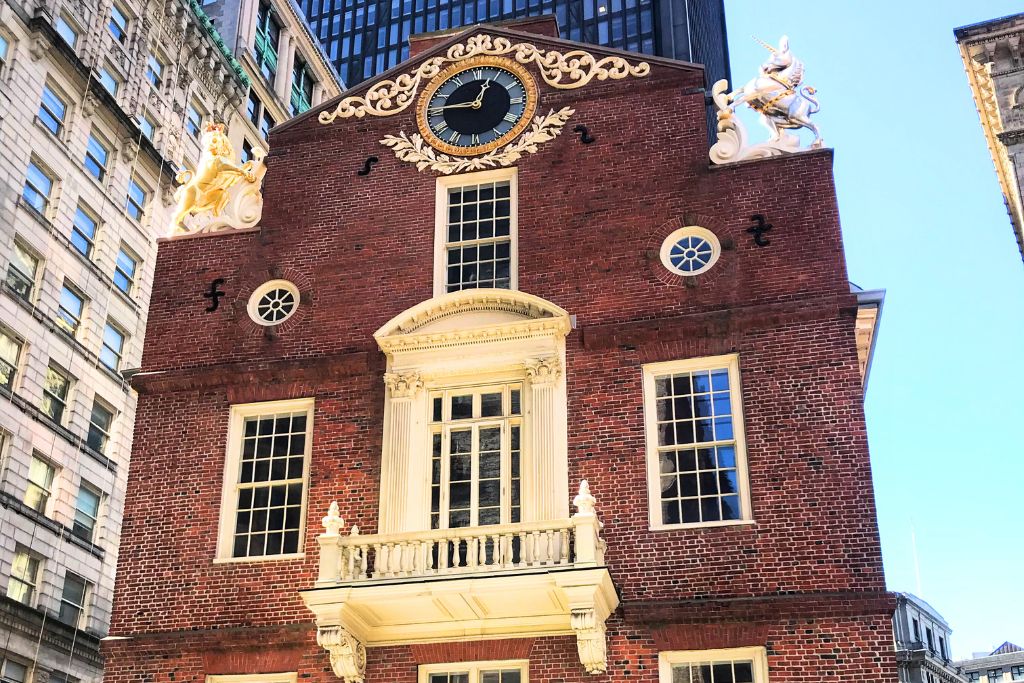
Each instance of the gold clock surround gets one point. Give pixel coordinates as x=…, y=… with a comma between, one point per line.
x=529, y=85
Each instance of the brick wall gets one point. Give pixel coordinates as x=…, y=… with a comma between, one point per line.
x=591, y=219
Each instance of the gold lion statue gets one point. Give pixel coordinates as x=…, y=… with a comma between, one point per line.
x=206, y=190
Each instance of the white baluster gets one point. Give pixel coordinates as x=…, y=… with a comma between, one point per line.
x=563, y=536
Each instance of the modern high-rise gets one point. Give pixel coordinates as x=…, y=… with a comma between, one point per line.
x=101, y=103
x=992, y=52
x=366, y=37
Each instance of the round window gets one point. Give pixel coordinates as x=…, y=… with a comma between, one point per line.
x=690, y=250
x=273, y=302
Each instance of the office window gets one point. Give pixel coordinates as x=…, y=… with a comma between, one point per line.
x=736, y=665
x=264, y=495
x=974, y=676
x=478, y=238
x=147, y=125
x=5, y=48
x=38, y=186
x=97, y=155
x=995, y=675
x=942, y=648
x=12, y=671
x=24, y=581
x=108, y=80
x=135, y=204
x=154, y=71
x=22, y=271
x=254, y=108
x=55, y=393
x=83, y=231
x=72, y=600
x=68, y=30
x=266, y=123
x=124, y=269
x=118, y=24
x=194, y=121
x=70, y=308
x=113, y=347
x=930, y=637
x=87, y=509
x=475, y=672
x=268, y=33
x=52, y=110
x=100, y=421
x=475, y=456
x=302, y=87
x=695, y=457
x=917, y=630
x=40, y=484
x=1017, y=673
x=247, y=151
x=10, y=354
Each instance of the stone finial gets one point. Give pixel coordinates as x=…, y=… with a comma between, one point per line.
x=333, y=521
x=584, y=502
x=355, y=530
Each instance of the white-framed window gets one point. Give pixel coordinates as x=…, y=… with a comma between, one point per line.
x=83, y=231
x=735, y=665
x=147, y=125
x=154, y=70
x=53, y=108
x=265, y=475
x=248, y=153
x=24, y=583
x=253, y=678
x=70, y=308
x=511, y=671
x=108, y=80
x=40, y=483
x=974, y=676
x=118, y=24
x=23, y=270
x=113, y=346
x=194, y=121
x=101, y=420
x=273, y=302
x=696, y=459
x=38, y=188
x=124, y=268
x=97, y=156
x=56, y=388
x=475, y=436
x=690, y=250
x=475, y=231
x=73, y=600
x=135, y=203
x=68, y=30
x=12, y=671
x=87, y=510
x=10, y=356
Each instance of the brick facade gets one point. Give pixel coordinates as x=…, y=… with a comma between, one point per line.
x=805, y=579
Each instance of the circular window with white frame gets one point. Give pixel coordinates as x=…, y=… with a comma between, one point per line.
x=690, y=251
x=273, y=302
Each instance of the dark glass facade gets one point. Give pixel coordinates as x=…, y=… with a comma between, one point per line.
x=365, y=37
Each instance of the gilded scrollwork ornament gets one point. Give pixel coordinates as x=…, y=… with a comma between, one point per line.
x=562, y=70
x=413, y=148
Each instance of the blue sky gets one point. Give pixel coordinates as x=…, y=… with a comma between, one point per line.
x=924, y=219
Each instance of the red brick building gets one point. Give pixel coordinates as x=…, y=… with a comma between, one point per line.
x=447, y=352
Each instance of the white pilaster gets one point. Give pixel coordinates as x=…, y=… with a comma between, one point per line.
x=285, y=60
x=404, y=462
x=544, y=488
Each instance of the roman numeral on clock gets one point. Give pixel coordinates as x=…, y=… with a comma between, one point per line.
x=516, y=100
x=435, y=111
x=454, y=137
x=440, y=128
x=511, y=118
x=478, y=74
x=475, y=139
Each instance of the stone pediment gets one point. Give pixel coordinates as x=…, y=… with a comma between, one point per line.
x=472, y=315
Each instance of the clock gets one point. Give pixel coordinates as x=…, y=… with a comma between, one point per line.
x=477, y=105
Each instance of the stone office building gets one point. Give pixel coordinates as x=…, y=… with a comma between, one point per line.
x=522, y=400
x=100, y=104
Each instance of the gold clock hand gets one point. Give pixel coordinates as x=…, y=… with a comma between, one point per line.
x=480, y=98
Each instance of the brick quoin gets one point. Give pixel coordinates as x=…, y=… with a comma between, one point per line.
x=805, y=580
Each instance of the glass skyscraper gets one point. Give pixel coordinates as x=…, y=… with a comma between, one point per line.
x=365, y=37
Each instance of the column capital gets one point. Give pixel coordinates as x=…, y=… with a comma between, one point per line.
x=542, y=371
x=403, y=384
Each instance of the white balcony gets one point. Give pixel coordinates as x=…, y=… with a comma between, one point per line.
x=500, y=581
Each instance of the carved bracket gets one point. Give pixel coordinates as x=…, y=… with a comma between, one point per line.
x=348, y=655
x=590, y=639
x=403, y=385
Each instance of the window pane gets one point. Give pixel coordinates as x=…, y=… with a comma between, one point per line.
x=478, y=236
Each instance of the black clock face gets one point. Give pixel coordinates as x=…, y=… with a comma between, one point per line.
x=476, y=107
